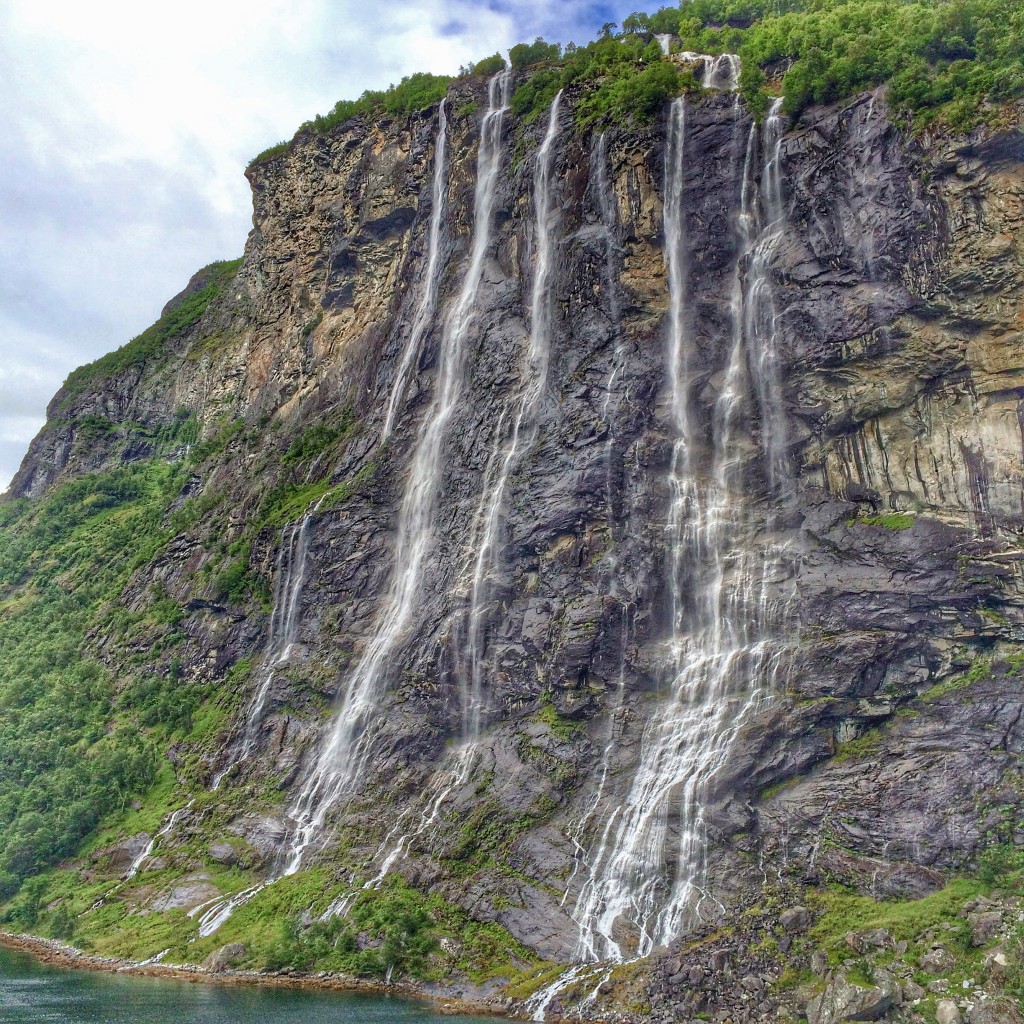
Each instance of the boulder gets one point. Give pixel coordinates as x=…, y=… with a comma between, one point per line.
x=189, y=892
x=871, y=938
x=985, y=926
x=937, y=961
x=222, y=853
x=912, y=991
x=227, y=956
x=796, y=920
x=947, y=1012
x=996, y=1010
x=844, y=1000
x=996, y=962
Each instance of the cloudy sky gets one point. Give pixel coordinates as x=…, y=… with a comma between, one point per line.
x=125, y=128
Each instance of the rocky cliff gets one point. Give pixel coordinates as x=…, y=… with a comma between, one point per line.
x=609, y=540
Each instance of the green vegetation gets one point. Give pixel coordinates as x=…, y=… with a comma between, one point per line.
x=525, y=55
x=386, y=933
x=866, y=745
x=843, y=911
x=562, y=728
x=619, y=78
x=289, y=500
x=888, y=521
x=396, y=931
x=946, y=60
x=146, y=346
x=319, y=437
x=487, y=67
x=998, y=864
x=414, y=92
x=980, y=669
x=69, y=757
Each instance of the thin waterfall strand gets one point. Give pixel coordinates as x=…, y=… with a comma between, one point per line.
x=535, y=374
x=427, y=306
x=343, y=756
x=285, y=619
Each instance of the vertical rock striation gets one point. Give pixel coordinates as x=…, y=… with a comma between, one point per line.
x=667, y=531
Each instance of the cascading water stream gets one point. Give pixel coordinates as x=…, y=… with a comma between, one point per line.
x=285, y=619
x=484, y=536
x=759, y=304
x=645, y=881
x=431, y=276
x=488, y=519
x=168, y=826
x=340, y=760
x=722, y=72
x=342, y=757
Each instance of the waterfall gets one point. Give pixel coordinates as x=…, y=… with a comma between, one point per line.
x=215, y=912
x=484, y=537
x=534, y=374
x=665, y=42
x=285, y=619
x=645, y=871
x=343, y=754
x=168, y=826
x=487, y=521
x=759, y=304
x=431, y=275
x=721, y=72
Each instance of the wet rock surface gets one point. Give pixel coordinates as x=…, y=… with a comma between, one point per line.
x=895, y=732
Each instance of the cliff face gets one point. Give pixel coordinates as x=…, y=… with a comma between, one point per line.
x=656, y=535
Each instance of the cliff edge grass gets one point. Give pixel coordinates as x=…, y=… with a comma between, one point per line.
x=955, y=63
x=80, y=571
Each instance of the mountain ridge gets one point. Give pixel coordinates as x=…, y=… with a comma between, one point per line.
x=892, y=279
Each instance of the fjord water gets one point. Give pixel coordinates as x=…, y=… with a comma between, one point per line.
x=31, y=991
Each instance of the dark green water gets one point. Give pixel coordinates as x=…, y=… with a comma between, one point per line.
x=31, y=991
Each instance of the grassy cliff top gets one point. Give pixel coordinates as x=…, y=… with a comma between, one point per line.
x=949, y=61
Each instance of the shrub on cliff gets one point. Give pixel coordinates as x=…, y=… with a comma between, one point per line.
x=538, y=52
x=946, y=59
x=414, y=92
x=173, y=323
x=619, y=78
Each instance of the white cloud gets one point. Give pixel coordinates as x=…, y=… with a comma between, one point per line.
x=125, y=127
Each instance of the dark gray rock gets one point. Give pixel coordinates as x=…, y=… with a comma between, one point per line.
x=222, y=853
x=996, y=1010
x=845, y=1000
x=796, y=920
x=985, y=926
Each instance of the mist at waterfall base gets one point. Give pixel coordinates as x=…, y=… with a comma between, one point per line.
x=34, y=992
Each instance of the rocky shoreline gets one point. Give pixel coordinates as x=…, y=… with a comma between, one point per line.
x=61, y=954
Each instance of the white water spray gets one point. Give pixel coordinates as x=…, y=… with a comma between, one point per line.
x=343, y=755
x=534, y=375
x=645, y=883
x=721, y=72
x=168, y=826
x=431, y=276
x=285, y=619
